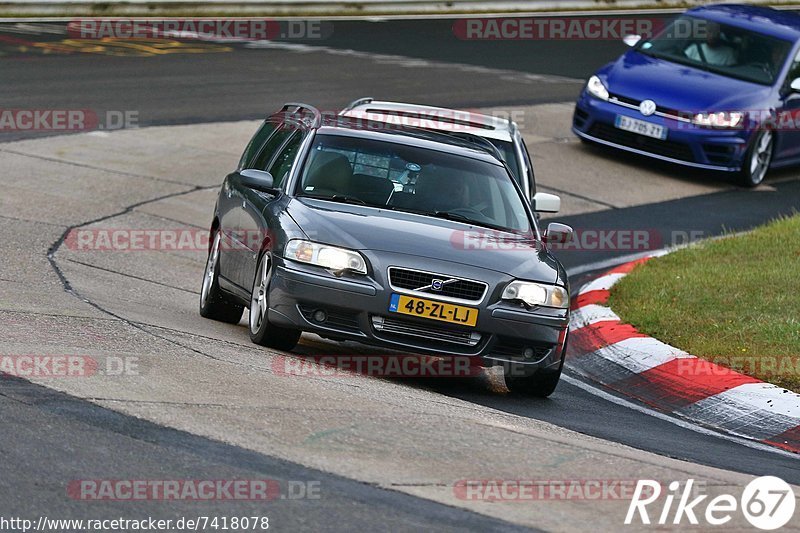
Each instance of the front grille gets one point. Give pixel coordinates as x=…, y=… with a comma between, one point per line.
x=418, y=281
x=631, y=102
x=429, y=332
x=666, y=148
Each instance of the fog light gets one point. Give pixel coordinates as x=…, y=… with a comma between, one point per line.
x=320, y=316
x=528, y=353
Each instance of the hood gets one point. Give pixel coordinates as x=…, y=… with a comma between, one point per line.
x=679, y=87
x=363, y=228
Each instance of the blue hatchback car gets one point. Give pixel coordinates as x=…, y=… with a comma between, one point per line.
x=717, y=88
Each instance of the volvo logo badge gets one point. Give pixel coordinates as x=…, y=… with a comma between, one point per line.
x=647, y=107
x=437, y=284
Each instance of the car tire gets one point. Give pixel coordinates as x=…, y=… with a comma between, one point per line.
x=261, y=330
x=539, y=385
x=757, y=159
x=213, y=303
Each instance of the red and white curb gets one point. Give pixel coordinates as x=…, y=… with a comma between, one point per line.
x=670, y=380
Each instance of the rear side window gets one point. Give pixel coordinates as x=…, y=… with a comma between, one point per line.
x=282, y=164
x=257, y=141
x=272, y=145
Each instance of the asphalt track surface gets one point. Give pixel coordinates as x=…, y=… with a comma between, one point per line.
x=47, y=435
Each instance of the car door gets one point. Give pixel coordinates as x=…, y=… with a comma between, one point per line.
x=252, y=225
x=787, y=141
x=258, y=153
x=230, y=204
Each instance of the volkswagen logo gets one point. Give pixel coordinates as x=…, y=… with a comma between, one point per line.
x=647, y=107
x=437, y=284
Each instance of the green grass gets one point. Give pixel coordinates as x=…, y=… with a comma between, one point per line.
x=734, y=301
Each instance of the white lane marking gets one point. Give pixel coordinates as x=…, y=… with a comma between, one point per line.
x=639, y=354
x=603, y=283
x=614, y=261
x=673, y=420
x=34, y=29
x=413, y=62
x=591, y=314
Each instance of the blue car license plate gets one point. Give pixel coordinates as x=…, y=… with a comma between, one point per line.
x=641, y=127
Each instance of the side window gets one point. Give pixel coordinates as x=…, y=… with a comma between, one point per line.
x=794, y=72
x=283, y=162
x=273, y=145
x=256, y=142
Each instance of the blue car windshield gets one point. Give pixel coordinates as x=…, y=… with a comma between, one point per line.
x=400, y=177
x=719, y=48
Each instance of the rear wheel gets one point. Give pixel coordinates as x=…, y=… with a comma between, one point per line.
x=213, y=303
x=539, y=385
x=757, y=159
x=261, y=331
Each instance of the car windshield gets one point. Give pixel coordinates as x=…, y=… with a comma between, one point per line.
x=508, y=154
x=719, y=48
x=418, y=180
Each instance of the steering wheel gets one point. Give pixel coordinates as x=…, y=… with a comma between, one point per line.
x=471, y=213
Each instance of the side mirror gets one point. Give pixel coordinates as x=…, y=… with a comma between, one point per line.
x=546, y=203
x=557, y=233
x=257, y=179
x=795, y=85
x=632, y=40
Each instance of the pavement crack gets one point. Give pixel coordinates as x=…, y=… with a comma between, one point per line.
x=579, y=196
x=92, y=167
x=133, y=277
x=16, y=219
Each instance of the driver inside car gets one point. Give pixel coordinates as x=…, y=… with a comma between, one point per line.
x=442, y=189
x=712, y=51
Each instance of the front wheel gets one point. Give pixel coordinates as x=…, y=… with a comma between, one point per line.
x=539, y=385
x=261, y=331
x=213, y=303
x=757, y=159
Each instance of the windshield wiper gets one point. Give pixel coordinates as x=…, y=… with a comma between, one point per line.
x=341, y=198
x=453, y=216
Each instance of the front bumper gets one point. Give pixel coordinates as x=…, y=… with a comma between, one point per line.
x=356, y=308
x=686, y=144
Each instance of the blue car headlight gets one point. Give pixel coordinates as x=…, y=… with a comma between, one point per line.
x=325, y=256
x=720, y=119
x=596, y=88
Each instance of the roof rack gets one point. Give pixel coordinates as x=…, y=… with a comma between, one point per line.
x=299, y=107
x=478, y=140
x=360, y=101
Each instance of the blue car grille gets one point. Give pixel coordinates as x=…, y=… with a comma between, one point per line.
x=665, y=148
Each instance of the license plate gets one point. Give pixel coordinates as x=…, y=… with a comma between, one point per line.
x=454, y=314
x=641, y=127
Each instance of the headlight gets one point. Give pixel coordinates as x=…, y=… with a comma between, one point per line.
x=336, y=259
x=535, y=294
x=596, y=88
x=722, y=119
